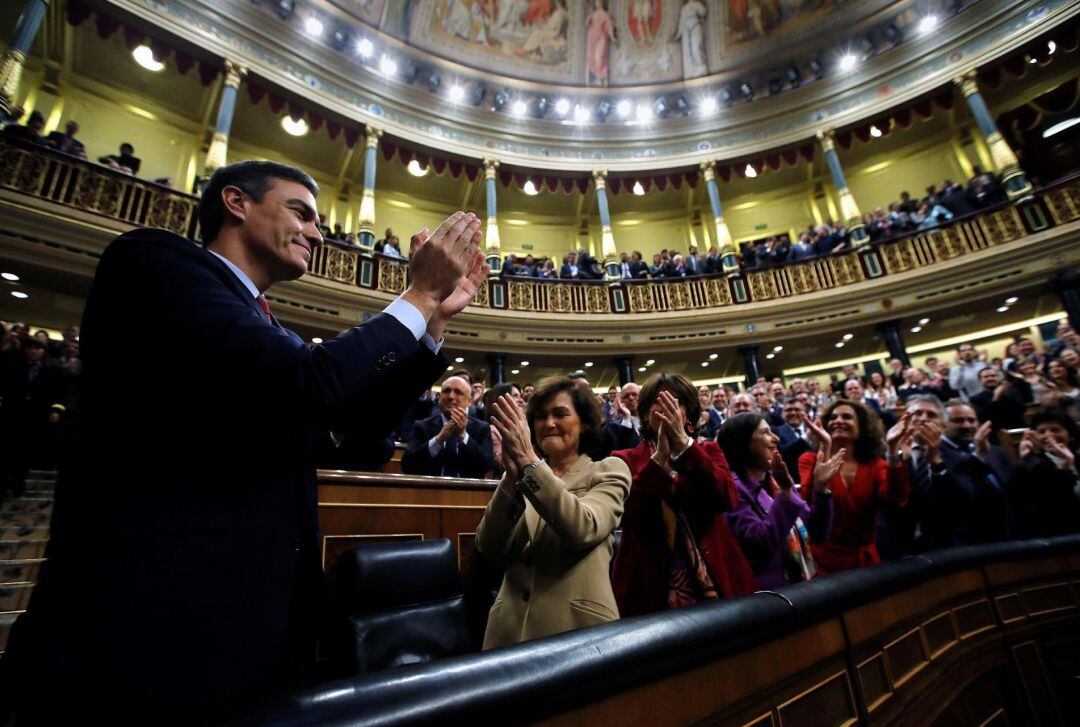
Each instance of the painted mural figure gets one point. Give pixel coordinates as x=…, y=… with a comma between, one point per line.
x=644, y=19
x=691, y=32
x=600, y=35
x=549, y=40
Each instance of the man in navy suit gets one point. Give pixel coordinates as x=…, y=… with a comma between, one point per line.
x=979, y=512
x=793, y=435
x=450, y=443
x=182, y=581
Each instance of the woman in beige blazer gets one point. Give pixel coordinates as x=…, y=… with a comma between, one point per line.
x=552, y=519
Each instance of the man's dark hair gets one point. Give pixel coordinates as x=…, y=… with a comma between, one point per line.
x=254, y=178
x=127, y=145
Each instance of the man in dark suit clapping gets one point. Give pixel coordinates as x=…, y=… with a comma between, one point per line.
x=450, y=443
x=183, y=576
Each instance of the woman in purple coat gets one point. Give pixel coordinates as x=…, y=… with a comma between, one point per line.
x=771, y=522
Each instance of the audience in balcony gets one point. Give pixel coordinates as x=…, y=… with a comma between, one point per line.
x=30, y=132
x=569, y=270
x=125, y=161
x=552, y=519
x=66, y=142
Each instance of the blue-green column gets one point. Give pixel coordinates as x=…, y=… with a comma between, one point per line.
x=612, y=270
x=1005, y=162
x=366, y=238
x=219, y=145
x=849, y=211
x=11, y=67
x=492, y=240
x=724, y=241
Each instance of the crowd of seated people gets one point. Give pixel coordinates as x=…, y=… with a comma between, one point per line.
x=39, y=390
x=66, y=141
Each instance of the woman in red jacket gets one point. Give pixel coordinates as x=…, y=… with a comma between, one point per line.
x=676, y=548
x=849, y=463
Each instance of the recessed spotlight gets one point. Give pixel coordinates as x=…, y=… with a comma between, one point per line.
x=19, y=294
x=415, y=169
x=1011, y=300
x=1001, y=309
x=839, y=344
x=449, y=368
x=704, y=363
x=365, y=47
x=529, y=188
x=524, y=363
x=316, y=339
x=644, y=113
x=750, y=171
x=1051, y=46
x=313, y=26
x=638, y=189
x=388, y=66
x=770, y=355
x=777, y=349
x=581, y=114
x=713, y=356
x=923, y=321
x=847, y=62
x=916, y=329
x=295, y=127
x=588, y=364
x=875, y=131
x=562, y=106
x=650, y=362
x=1033, y=60
x=10, y=276
x=1060, y=127
x=848, y=336
x=709, y=105
x=519, y=107
x=515, y=372
x=456, y=94
x=927, y=24
x=145, y=58
x=642, y=369
x=459, y=359
x=622, y=109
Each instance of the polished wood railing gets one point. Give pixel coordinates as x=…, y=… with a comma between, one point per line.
x=90, y=187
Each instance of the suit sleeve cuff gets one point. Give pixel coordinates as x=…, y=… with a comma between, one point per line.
x=409, y=316
x=433, y=447
x=427, y=341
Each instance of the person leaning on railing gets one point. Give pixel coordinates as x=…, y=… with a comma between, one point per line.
x=552, y=519
x=1044, y=491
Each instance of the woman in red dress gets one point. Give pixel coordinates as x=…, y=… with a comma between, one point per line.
x=676, y=548
x=850, y=463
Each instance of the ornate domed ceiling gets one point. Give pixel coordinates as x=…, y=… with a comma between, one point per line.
x=627, y=42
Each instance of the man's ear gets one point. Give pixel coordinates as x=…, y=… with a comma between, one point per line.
x=234, y=201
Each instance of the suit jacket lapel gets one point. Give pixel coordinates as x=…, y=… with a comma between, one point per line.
x=536, y=523
x=233, y=284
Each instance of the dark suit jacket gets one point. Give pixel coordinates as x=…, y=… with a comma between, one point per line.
x=474, y=459
x=1005, y=413
x=639, y=270
x=183, y=574
x=978, y=509
x=923, y=522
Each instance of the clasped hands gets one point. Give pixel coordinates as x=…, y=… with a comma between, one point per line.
x=446, y=269
x=455, y=426
x=509, y=421
x=670, y=426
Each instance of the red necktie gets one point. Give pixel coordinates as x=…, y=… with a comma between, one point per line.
x=265, y=307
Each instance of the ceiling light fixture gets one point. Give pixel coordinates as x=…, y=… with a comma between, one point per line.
x=750, y=171
x=295, y=127
x=1051, y=46
x=875, y=131
x=415, y=169
x=388, y=66
x=1002, y=309
x=529, y=188
x=459, y=359
x=1060, y=127
x=642, y=369
x=524, y=363
x=562, y=106
x=650, y=362
x=638, y=189
x=313, y=26
x=10, y=276
x=519, y=107
x=581, y=114
x=927, y=24
x=839, y=344
x=770, y=355
x=316, y=339
x=588, y=364
x=19, y=294
x=145, y=58
x=923, y=321
x=623, y=108
x=849, y=336
x=456, y=93
x=713, y=356
x=644, y=113
x=777, y=349
x=1011, y=300
x=847, y=62
x=709, y=105
x=916, y=329
x=515, y=372
x=365, y=47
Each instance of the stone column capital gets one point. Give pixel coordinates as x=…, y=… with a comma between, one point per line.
x=600, y=178
x=968, y=82
x=708, y=170
x=826, y=139
x=490, y=166
x=234, y=73
x=372, y=136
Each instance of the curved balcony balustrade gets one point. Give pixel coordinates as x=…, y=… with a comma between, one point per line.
x=91, y=188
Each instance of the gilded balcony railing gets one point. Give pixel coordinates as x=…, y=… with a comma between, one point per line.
x=94, y=188
x=90, y=187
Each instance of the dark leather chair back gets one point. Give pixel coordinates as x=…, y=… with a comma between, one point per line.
x=396, y=604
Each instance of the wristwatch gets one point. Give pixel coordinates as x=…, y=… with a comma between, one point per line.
x=528, y=476
x=895, y=457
